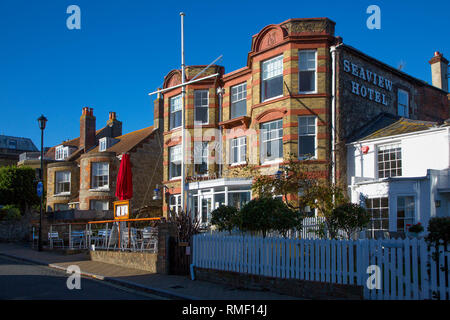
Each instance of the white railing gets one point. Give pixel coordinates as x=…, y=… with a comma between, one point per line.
x=403, y=264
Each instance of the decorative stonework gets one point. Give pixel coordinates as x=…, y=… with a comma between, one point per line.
x=310, y=26
x=268, y=37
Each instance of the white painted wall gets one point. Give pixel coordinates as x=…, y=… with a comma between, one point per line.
x=420, y=151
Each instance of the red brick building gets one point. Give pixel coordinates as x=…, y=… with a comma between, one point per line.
x=302, y=91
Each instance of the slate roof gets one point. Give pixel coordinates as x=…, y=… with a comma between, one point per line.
x=402, y=126
x=381, y=121
x=22, y=144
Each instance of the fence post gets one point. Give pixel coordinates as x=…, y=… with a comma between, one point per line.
x=70, y=236
x=51, y=237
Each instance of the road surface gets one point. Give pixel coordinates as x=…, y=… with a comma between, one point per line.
x=24, y=281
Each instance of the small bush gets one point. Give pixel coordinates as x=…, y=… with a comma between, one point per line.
x=439, y=231
x=9, y=213
x=349, y=217
x=224, y=217
x=267, y=214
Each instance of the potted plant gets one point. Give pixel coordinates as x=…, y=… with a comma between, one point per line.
x=415, y=229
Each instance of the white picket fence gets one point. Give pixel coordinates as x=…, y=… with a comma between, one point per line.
x=403, y=264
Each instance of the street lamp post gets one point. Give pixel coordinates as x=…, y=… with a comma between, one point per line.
x=42, y=122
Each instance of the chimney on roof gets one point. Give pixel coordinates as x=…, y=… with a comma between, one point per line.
x=87, y=128
x=439, y=71
x=158, y=111
x=115, y=125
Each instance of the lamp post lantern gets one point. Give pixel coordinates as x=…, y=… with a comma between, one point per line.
x=42, y=122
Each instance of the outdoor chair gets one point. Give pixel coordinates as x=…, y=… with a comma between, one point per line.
x=149, y=239
x=100, y=240
x=128, y=238
x=77, y=239
x=53, y=237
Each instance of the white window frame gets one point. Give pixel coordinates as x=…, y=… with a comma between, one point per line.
x=263, y=160
x=177, y=206
x=315, y=71
x=102, y=144
x=92, y=206
x=390, y=146
x=379, y=217
x=406, y=107
x=238, y=96
x=175, y=103
x=264, y=77
x=201, y=105
x=300, y=157
x=57, y=182
x=238, y=143
x=178, y=159
x=95, y=174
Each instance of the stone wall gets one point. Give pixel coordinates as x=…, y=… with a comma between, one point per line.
x=292, y=287
x=136, y=260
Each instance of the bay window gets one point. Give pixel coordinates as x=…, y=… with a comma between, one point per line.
x=175, y=161
x=272, y=78
x=175, y=112
x=201, y=157
x=238, y=100
x=272, y=140
x=307, y=71
x=100, y=175
x=238, y=150
x=306, y=137
x=201, y=106
x=62, y=181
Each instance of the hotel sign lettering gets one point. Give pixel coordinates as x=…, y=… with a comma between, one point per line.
x=368, y=79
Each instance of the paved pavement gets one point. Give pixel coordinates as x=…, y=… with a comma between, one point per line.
x=167, y=286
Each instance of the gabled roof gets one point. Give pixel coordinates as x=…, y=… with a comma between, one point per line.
x=127, y=141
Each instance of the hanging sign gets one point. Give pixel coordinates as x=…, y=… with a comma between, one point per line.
x=121, y=209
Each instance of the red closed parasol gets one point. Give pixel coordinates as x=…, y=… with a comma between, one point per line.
x=124, y=186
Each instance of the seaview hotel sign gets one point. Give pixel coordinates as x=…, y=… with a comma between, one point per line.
x=369, y=79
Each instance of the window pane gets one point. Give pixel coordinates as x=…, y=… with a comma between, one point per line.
x=272, y=88
x=307, y=145
x=307, y=81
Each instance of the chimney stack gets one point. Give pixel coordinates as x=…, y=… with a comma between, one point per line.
x=87, y=128
x=115, y=125
x=158, y=111
x=439, y=71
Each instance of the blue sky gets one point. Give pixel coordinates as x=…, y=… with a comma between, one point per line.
x=125, y=48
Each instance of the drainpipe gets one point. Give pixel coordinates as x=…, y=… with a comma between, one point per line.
x=333, y=114
x=220, y=92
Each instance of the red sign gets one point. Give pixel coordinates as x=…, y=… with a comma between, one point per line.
x=365, y=149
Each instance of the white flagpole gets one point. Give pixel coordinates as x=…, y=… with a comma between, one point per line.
x=183, y=127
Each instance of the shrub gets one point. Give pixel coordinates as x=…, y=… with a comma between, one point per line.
x=10, y=212
x=267, y=214
x=439, y=231
x=416, y=228
x=186, y=226
x=350, y=218
x=224, y=217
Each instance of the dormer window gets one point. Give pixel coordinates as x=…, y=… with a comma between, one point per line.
x=61, y=152
x=105, y=143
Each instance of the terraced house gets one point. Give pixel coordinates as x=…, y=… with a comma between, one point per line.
x=302, y=92
x=85, y=170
